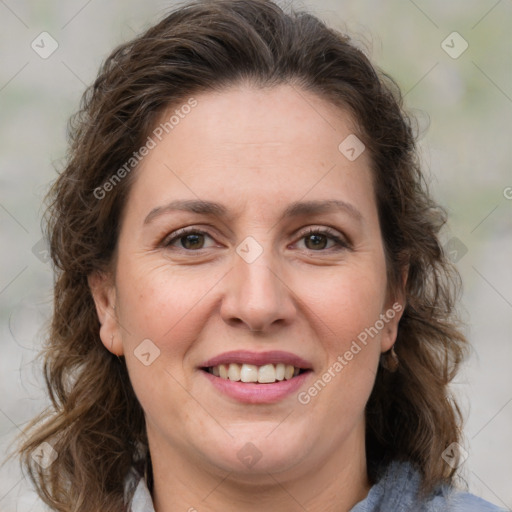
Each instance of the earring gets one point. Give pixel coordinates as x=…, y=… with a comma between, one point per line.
x=389, y=360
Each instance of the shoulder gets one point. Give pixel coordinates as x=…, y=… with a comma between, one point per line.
x=458, y=501
x=397, y=490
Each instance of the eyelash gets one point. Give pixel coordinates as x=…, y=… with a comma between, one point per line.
x=181, y=233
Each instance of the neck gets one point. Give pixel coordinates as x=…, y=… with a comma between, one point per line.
x=335, y=484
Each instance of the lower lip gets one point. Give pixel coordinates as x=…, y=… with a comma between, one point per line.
x=254, y=393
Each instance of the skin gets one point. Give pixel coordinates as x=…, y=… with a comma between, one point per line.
x=255, y=151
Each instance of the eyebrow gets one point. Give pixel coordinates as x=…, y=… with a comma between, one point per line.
x=296, y=209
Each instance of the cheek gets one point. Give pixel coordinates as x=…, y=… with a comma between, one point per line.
x=344, y=307
x=348, y=300
x=165, y=305
x=168, y=307
x=347, y=306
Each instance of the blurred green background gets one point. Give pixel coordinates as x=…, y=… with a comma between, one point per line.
x=464, y=111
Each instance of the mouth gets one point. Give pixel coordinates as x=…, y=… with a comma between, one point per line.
x=265, y=374
x=256, y=377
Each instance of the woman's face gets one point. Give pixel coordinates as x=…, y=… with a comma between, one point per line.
x=249, y=173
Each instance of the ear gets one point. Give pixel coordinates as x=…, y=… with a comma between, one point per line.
x=104, y=294
x=393, y=311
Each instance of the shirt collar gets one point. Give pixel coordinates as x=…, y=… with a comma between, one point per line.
x=136, y=493
x=389, y=489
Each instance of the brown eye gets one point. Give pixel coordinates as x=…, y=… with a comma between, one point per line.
x=190, y=240
x=317, y=241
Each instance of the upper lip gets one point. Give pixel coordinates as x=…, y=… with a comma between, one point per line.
x=258, y=359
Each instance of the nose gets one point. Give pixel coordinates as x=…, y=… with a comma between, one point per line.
x=258, y=296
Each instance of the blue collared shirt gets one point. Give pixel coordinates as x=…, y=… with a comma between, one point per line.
x=396, y=491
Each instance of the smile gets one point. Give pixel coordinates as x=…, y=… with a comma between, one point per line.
x=265, y=374
x=257, y=377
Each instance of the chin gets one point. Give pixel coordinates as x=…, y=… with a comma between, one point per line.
x=252, y=458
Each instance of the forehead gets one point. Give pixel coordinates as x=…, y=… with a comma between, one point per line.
x=253, y=116
x=247, y=143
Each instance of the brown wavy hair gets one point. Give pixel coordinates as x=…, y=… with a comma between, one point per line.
x=95, y=422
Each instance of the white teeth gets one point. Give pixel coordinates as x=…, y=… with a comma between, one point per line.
x=266, y=374
x=223, y=371
x=249, y=373
x=234, y=372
